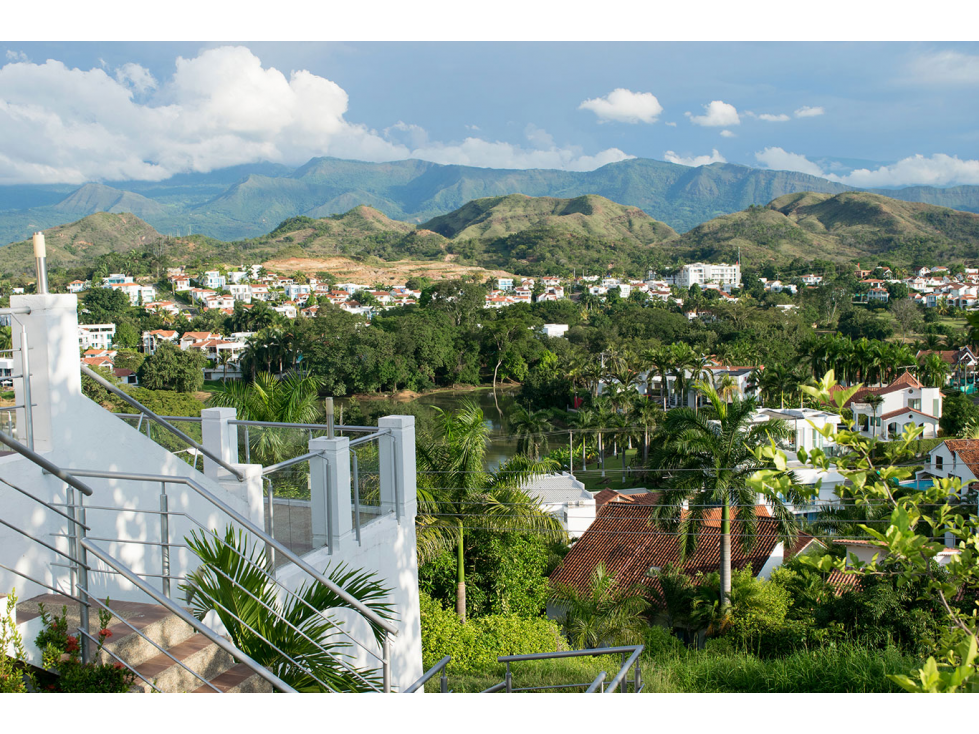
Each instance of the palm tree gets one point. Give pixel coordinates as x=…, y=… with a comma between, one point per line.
x=224, y=356
x=603, y=615
x=289, y=635
x=874, y=401
x=933, y=371
x=531, y=429
x=646, y=414
x=711, y=455
x=271, y=399
x=456, y=493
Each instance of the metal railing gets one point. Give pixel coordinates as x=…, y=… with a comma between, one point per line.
x=79, y=546
x=439, y=667
x=10, y=427
x=628, y=660
x=270, y=542
x=161, y=421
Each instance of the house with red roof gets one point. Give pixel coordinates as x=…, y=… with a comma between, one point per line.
x=906, y=401
x=634, y=550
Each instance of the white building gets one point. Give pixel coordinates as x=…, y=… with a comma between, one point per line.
x=702, y=273
x=213, y=279
x=130, y=477
x=504, y=284
x=566, y=498
x=554, y=330
x=958, y=457
x=96, y=336
x=905, y=402
x=153, y=339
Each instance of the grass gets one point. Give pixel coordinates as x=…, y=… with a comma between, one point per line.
x=615, y=478
x=844, y=669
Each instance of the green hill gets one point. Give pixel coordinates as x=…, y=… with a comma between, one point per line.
x=78, y=243
x=591, y=216
x=848, y=226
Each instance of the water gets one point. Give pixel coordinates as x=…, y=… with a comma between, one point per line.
x=501, y=446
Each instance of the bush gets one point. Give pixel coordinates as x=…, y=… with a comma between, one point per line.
x=660, y=642
x=480, y=641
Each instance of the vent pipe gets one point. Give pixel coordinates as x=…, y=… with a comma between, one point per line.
x=40, y=259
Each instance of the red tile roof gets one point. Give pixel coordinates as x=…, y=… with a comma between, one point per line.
x=623, y=539
x=967, y=451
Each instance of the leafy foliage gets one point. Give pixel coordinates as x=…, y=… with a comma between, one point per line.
x=290, y=636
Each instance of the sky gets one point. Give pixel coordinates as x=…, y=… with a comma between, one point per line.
x=868, y=114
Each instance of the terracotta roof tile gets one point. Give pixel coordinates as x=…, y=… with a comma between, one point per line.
x=623, y=539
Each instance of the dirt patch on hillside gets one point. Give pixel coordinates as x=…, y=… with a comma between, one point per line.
x=391, y=273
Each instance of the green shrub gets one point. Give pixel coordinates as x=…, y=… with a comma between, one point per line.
x=480, y=641
x=660, y=642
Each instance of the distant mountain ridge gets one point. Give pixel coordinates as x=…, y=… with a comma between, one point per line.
x=549, y=235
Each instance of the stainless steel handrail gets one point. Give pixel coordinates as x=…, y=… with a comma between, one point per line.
x=45, y=464
x=153, y=416
x=569, y=653
x=290, y=462
x=307, y=426
x=614, y=683
x=596, y=683
x=420, y=683
x=252, y=528
x=186, y=616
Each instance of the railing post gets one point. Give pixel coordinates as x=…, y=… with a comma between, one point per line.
x=508, y=680
x=624, y=685
x=270, y=525
x=396, y=465
x=78, y=511
x=329, y=476
x=219, y=437
x=637, y=679
x=356, y=500
x=386, y=662
x=25, y=371
x=165, y=538
x=444, y=681
x=248, y=449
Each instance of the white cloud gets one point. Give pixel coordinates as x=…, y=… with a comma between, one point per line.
x=945, y=67
x=623, y=105
x=774, y=118
x=473, y=128
x=538, y=137
x=727, y=134
x=413, y=136
x=671, y=124
x=16, y=56
x=805, y=111
x=136, y=77
x=936, y=170
x=719, y=114
x=221, y=108
x=781, y=160
x=696, y=161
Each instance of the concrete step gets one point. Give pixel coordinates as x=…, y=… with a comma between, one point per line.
x=205, y=660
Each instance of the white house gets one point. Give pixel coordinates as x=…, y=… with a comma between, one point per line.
x=905, y=402
x=98, y=336
x=554, y=330
x=504, y=284
x=566, y=498
x=701, y=273
x=153, y=339
x=213, y=279
x=954, y=457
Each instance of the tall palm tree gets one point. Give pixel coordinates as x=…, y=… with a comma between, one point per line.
x=874, y=401
x=711, y=456
x=933, y=371
x=530, y=428
x=646, y=414
x=456, y=493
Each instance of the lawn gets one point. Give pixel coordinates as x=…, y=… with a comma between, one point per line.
x=615, y=477
x=843, y=669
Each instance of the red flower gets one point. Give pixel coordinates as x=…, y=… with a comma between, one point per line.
x=72, y=644
x=104, y=633
x=118, y=666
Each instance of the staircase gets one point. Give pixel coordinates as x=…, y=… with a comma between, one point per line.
x=212, y=667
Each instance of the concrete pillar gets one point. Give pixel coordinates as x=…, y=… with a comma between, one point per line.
x=397, y=466
x=220, y=438
x=329, y=478
x=52, y=336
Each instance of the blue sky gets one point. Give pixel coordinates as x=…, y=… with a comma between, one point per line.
x=869, y=114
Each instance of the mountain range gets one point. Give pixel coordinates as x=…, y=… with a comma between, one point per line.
x=549, y=235
x=251, y=200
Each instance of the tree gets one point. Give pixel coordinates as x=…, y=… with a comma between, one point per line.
x=531, y=429
x=103, y=306
x=456, y=493
x=270, y=399
x=171, y=368
x=874, y=401
x=287, y=634
x=606, y=614
x=907, y=314
x=711, y=455
x=933, y=371
x=915, y=534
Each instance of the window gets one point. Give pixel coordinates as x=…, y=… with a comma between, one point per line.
x=935, y=407
x=915, y=404
x=939, y=461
